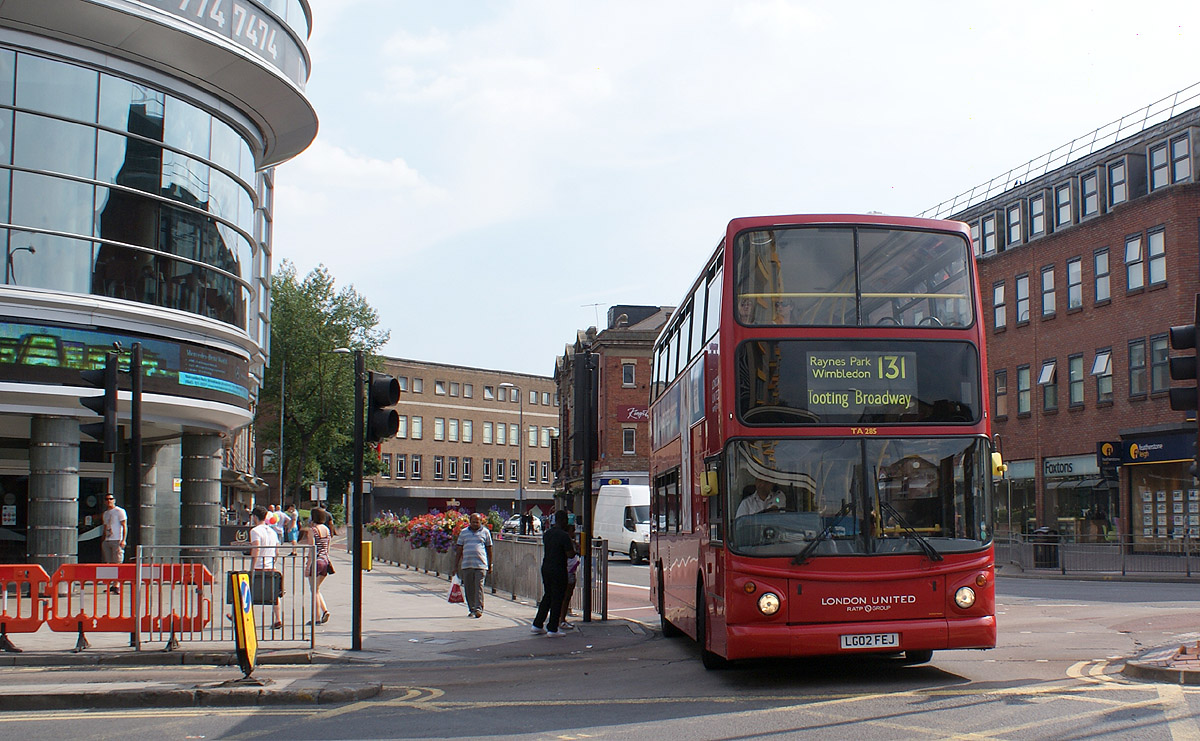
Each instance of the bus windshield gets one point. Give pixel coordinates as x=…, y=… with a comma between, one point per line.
x=852, y=276
x=877, y=496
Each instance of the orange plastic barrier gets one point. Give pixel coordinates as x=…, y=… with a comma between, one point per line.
x=168, y=590
x=23, y=600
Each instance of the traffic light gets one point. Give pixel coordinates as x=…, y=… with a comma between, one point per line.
x=1183, y=368
x=105, y=405
x=383, y=392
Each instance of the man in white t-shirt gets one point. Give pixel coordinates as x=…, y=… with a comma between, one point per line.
x=264, y=546
x=112, y=548
x=766, y=498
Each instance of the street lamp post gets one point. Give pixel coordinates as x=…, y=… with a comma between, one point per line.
x=520, y=453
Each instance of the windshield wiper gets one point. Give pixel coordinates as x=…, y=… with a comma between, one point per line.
x=804, y=555
x=912, y=533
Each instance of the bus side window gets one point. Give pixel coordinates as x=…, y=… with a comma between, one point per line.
x=716, y=517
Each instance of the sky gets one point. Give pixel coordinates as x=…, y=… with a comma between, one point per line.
x=492, y=175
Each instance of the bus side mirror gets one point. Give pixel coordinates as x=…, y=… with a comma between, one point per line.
x=709, y=481
x=998, y=466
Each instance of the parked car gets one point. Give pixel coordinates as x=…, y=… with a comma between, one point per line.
x=512, y=526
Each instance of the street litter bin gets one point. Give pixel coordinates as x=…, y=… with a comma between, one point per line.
x=1045, y=548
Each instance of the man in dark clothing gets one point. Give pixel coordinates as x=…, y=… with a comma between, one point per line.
x=558, y=550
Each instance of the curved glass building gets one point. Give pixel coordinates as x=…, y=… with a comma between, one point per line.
x=137, y=141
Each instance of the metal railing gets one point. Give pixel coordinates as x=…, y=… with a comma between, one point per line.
x=517, y=570
x=1111, y=554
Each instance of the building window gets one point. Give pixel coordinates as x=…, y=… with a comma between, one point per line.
x=1022, y=299
x=401, y=460
x=545, y=472
x=533, y=436
x=1074, y=283
x=1160, y=173
x=1089, y=195
x=546, y=398
x=1000, y=319
x=1075, y=380
x=416, y=467
x=533, y=397
x=501, y=433
x=403, y=381
x=1160, y=374
x=454, y=387
x=439, y=429
x=467, y=432
x=466, y=469
x=1037, y=215
x=1001, y=393
x=487, y=469
x=629, y=441
x=1181, y=161
x=487, y=433
x=1102, y=370
x=975, y=238
x=1048, y=380
x=514, y=434
x=402, y=430
x=1137, y=367
x=489, y=393
x=513, y=395
x=1117, y=192
x=1135, y=276
x=1156, y=248
x=545, y=437
x=627, y=374
x=1062, y=205
x=532, y=472
x=452, y=431
x=386, y=461
x=418, y=385
x=416, y=428
x=452, y=468
x=439, y=388
x=439, y=465
x=1014, y=225
x=468, y=391
x=989, y=234
x=1023, y=391
x=1100, y=263
x=1048, y=307
x=512, y=470
x=500, y=469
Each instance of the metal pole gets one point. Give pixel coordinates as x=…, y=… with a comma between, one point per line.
x=134, y=487
x=587, y=377
x=356, y=503
x=282, y=396
x=521, y=453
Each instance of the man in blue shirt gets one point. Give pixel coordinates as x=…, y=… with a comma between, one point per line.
x=473, y=561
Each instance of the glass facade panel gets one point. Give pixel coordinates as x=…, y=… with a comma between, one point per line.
x=8, y=76
x=50, y=145
x=187, y=128
x=127, y=106
x=48, y=86
x=55, y=263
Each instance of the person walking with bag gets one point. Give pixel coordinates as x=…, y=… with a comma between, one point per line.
x=473, y=562
x=320, y=534
x=557, y=550
x=264, y=549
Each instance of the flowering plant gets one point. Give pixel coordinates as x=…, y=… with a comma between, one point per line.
x=437, y=530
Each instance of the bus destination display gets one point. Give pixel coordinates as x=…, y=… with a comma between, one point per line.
x=856, y=383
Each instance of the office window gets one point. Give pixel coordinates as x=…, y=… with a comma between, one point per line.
x=1037, y=215
x=418, y=385
x=1089, y=195
x=1137, y=367
x=1102, y=370
x=1135, y=276
x=467, y=432
x=1074, y=283
x=1048, y=380
x=416, y=467
x=988, y=224
x=466, y=469
x=489, y=393
x=1117, y=192
x=533, y=436
x=1000, y=319
x=629, y=441
x=487, y=469
x=1156, y=249
x=439, y=388
x=1023, y=390
x=546, y=398
x=513, y=395
x=545, y=437
x=416, y=428
x=452, y=430
x=1001, y=393
x=468, y=391
x=401, y=461
x=532, y=472
x=512, y=470
x=627, y=374
x=500, y=462
x=1062, y=205
x=975, y=238
x=533, y=397
x=1160, y=173
x=452, y=468
x=439, y=429
x=402, y=430
x=501, y=433
x=545, y=472
x=1075, y=380
x=487, y=433
x=1014, y=225
x=514, y=434
x=403, y=381
x=386, y=461
x=1160, y=373
x=439, y=467
x=1022, y=299
x=1181, y=161
x=1048, y=307
x=454, y=388
x=1100, y=263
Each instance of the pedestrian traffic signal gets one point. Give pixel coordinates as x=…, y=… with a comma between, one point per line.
x=1183, y=368
x=383, y=392
x=105, y=405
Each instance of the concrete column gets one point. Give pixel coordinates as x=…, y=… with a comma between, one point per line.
x=53, y=537
x=149, y=495
x=200, y=505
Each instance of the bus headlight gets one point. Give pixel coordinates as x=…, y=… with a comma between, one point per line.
x=768, y=604
x=964, y=597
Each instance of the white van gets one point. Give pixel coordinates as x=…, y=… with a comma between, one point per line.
x=623, y=519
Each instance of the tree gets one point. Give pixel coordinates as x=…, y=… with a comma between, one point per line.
x=309, y=320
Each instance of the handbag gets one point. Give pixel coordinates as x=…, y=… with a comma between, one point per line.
x=456, y=593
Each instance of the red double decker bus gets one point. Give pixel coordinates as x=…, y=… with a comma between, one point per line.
x=822, y=470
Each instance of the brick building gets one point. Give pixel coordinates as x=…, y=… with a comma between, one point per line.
x=623, y=350
x=469, y=439
x=1087, y=256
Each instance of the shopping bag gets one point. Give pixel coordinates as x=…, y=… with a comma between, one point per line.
x=456, y=594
